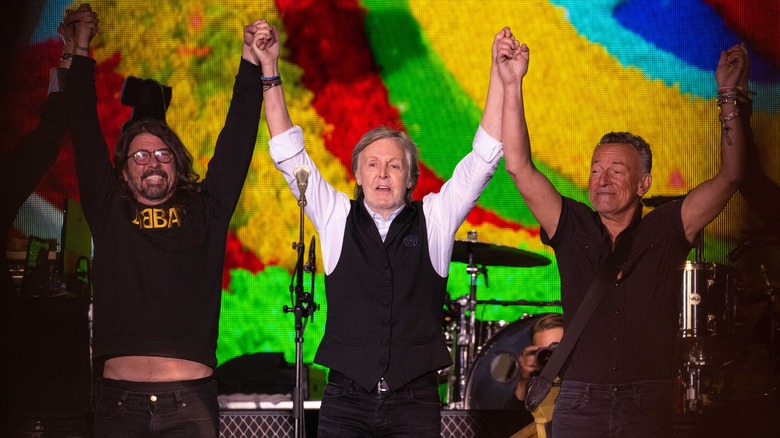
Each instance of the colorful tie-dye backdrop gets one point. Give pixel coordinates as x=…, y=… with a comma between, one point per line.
x=644, y=66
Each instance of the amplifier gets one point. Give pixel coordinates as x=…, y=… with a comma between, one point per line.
x=454, y=424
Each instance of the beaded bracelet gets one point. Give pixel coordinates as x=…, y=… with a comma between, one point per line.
x=740, y=90
x=727, y=95
x=267, y=85
x=722, y=99
x=67, y=57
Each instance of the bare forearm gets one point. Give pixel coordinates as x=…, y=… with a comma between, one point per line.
x=491, y=116
x=732, y=146
x=276, y=113
x=517, y=143
x=537, y=191
x=709, y=198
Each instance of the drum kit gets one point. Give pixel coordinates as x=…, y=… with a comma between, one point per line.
x=706, y=325
x=470, y=339
x=712, y=333
x=709, y=326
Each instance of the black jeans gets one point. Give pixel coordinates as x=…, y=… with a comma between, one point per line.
x=639, y=409
x=350, y=411
x=157, y=409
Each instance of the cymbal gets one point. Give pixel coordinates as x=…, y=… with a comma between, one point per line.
x=762, y=233
x=519, y=303
x=493, y=254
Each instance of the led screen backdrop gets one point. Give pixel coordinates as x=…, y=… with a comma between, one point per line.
x=643, y=66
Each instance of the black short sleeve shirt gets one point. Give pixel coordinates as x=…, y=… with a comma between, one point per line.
x=631, y=335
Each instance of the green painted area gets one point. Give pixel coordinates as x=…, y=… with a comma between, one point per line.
x=436, y=111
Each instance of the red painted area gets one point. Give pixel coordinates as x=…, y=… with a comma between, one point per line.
x=758, y=21
x=326, y=39
x=30, y=76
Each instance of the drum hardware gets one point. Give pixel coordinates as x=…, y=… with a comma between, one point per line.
x=471, y=307
x=463, y=347
x=707, y=306
x=771, y=293
x=691, y=377
x=520, y=303
x=707, y=319
x=465, y=343
x=702, y=375
x=755, y=239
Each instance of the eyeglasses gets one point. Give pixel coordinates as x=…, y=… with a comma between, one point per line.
x=142, y=156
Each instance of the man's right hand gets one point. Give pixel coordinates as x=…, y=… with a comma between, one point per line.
x=85, y=24
x=261, y=46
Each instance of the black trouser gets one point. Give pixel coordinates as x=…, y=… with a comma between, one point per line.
x=146, y=409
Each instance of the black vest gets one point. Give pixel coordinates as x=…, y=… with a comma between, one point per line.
x=385, y=303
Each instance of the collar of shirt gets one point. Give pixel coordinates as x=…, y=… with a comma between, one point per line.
x=382, y=224
x=635, y=219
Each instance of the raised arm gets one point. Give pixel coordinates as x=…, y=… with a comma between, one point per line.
x=491, y=115
x=472, y=174
x=261, y=40
x=709, y=198
x=93, y=164
x=537, y=191
x=37, y=150
x=236, y=142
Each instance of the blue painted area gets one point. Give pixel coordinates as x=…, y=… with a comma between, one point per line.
x=690, y=29
x=51, y=16
x=594, y=19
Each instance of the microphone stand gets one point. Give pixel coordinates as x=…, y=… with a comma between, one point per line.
x=303, y=308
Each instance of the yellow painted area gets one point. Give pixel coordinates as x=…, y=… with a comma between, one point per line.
x=575, y=92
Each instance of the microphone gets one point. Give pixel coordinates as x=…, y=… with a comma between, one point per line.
x=311, y=264
x=301, y=173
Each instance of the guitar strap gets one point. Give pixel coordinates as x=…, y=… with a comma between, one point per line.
x=541, y=384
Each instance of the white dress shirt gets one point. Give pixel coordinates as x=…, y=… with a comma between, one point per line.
x=444, y=211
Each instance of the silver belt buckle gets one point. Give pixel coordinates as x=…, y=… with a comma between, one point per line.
x=382, y=387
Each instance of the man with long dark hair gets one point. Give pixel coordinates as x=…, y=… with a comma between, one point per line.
x=159, y=245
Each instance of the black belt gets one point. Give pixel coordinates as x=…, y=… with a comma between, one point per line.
x=429, y=380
